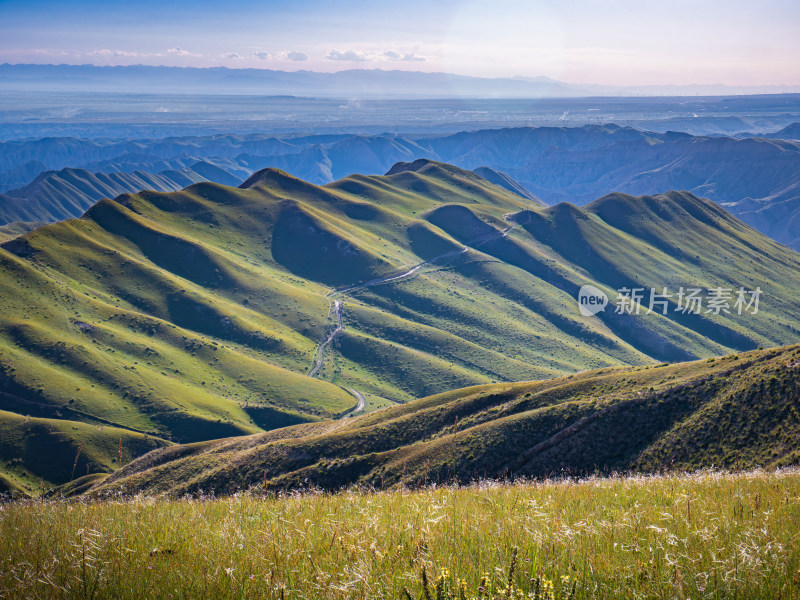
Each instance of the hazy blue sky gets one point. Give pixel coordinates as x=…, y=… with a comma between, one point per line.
x=734, y=42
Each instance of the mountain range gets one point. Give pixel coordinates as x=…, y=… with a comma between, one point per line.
x=756, y=178
x=346, y=83
x=58, y=195
x=177, y=317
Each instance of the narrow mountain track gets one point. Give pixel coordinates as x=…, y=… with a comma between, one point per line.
x=406, y=274
x=319, y=355
x=359, y=407
x=338, y=304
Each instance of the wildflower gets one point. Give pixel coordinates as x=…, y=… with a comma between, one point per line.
x=547, y=589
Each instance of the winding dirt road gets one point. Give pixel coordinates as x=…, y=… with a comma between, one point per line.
x=319, y=355
x=359, y=407
x=392, y=278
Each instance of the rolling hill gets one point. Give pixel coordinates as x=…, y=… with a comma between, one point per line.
x=738, y=411
x=160, y=318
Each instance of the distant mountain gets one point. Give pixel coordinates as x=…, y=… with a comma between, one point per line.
x=346, y=84
x=790, y=132
x=736, y=412
x=57, y=195
x=21, y=174
x=216, y=311
x=779, y=218
x=756, y=179
x=127, y=155
x=221, y=80
x=18, y=228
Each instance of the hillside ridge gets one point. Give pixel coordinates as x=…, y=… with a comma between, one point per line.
x=733, y=412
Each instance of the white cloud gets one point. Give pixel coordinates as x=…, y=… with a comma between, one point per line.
x=181, y=52
x=262, y=55
x=233, y=55
x=347, y=55
x=291, y=55
x=396, y=56
x=108, y=52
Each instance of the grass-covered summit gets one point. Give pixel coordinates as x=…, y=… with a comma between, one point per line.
x=187, y=316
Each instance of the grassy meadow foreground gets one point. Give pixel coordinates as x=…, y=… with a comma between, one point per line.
x=708, y=535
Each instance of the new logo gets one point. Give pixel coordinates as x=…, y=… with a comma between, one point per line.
x=591, y=300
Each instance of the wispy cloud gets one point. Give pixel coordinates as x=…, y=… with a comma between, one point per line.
x=296, y=56
x=109, y=52
x=181, y=52
x=347, y=55
x=292, y=55
x=396, y=56
x=374, y=56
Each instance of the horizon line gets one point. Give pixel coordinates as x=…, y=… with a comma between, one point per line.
x=544, y=79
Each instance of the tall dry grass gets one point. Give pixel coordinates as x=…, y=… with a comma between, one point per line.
x=708, y=535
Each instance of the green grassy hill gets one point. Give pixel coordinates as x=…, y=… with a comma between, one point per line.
x=196, y=315
x=736, y=412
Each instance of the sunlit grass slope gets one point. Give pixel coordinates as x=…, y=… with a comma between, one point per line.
x=737, y=411
x=702, y=536
x=195, y=315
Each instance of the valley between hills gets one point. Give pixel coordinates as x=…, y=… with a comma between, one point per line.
x=172, y=321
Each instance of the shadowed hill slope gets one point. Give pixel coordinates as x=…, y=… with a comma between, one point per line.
x=504, y=181
x=195, y=315
x=738, y=411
